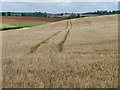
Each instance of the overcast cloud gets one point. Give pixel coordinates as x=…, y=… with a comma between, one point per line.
x=60, y=0
x=57, y=7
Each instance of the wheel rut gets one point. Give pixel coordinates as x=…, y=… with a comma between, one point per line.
x=68, y=28
x=61, y=44
x=33, y=49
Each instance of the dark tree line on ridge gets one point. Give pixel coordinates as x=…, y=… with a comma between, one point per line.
x=40, y=14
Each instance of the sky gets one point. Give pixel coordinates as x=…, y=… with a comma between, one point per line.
x=60, y=0
x=57, y=6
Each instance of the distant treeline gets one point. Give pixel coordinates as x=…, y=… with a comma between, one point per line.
x=104, y=12
x=44, y=14
x=24, y=14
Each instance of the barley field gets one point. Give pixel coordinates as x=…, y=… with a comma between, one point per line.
x=76, y=53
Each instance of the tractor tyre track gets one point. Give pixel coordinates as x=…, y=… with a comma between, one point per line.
x=61, y=44
x=33, y=49
x=68, y=27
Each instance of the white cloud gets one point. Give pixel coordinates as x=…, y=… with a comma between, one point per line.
x=61, y=1
x=59, y=6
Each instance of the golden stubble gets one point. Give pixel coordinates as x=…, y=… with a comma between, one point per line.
x=89, y=56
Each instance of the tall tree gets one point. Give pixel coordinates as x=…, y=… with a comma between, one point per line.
x=3, y=13
x=9, y=13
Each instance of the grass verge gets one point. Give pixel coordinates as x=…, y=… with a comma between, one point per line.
x=4, y=27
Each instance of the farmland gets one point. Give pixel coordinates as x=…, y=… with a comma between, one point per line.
x=15, y=22
x=28, y=20
x=76, y=53
x=4, y=27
